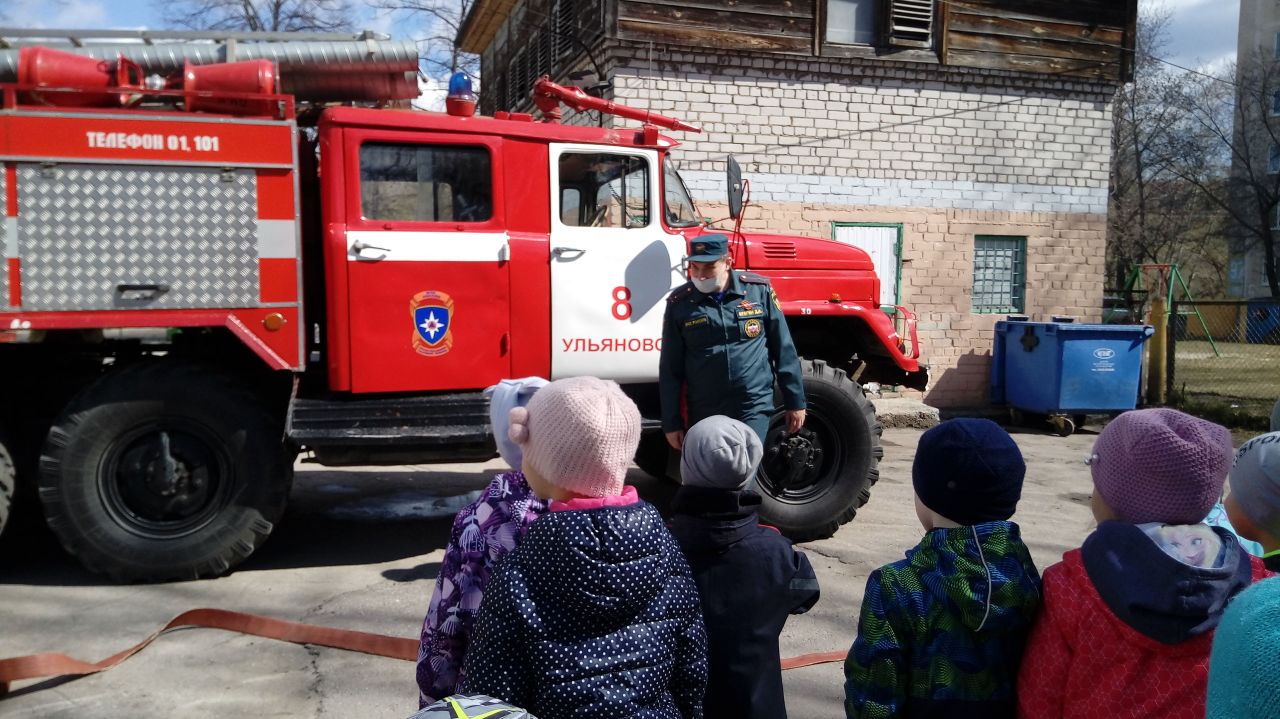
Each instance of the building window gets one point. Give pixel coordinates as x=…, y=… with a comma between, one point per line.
x=999, y=274
x=1275, y=103
x=1273, y=159
x=852, y=22
x=1278, y=46
x=1275, y=218
x=424, y=183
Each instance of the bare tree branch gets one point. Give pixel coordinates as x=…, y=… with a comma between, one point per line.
x=1238, y=119
x=1155, y=216
x=258, y=15
x=435, y=26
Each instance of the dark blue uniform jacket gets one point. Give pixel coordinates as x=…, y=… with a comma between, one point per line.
x=725, y=353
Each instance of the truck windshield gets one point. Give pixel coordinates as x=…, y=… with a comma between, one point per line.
x=679, y=207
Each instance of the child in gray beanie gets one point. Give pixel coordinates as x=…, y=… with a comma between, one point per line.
x=1253, y=503
x=749, y=577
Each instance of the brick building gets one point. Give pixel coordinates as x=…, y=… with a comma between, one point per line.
x=965, y=145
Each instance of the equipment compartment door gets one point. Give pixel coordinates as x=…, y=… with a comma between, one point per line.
x=612, y=263
x=429, y=291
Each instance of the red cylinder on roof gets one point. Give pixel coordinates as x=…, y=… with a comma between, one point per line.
x=224, y=87
x=53, y=69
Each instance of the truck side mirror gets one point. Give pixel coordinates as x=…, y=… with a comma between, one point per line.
x=734, y=175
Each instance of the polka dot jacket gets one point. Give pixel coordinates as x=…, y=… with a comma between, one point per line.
x=595, y=614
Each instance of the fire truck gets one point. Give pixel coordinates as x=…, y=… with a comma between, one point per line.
x=219, y=256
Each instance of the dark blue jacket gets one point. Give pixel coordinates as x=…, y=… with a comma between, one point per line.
x=1156, y=594
x=725, y=353
x=594, y=615
x=750, y=580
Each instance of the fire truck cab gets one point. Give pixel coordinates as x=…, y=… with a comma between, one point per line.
x=202, y=283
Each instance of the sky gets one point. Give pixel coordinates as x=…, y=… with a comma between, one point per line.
x=1202, y=33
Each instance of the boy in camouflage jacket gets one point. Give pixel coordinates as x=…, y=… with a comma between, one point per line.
x=942, y=630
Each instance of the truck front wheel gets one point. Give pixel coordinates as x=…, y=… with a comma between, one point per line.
x=815, y=480
x=164, y=470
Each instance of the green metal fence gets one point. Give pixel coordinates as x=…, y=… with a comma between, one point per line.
x=1224, y=363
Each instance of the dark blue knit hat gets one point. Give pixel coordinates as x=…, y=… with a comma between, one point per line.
x=969, y=471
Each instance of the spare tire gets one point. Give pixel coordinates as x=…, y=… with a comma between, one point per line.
x=815, y=480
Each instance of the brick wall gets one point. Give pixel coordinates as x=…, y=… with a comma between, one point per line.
x=946, y=153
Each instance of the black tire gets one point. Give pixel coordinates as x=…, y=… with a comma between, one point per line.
x=653, y=455
x=815, y=480
x=8, y=484
x=164, y=470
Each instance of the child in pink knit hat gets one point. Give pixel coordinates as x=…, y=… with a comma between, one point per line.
x=1127, y=619
x=596, y=612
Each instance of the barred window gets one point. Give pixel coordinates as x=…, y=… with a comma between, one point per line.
x=999, y=274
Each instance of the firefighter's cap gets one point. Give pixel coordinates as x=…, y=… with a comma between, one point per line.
x=708, y=248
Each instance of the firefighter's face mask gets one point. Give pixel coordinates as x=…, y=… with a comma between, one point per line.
x=708, y=277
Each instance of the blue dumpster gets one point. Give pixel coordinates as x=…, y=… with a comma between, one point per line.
x=1264, y=321
x=1064, y=370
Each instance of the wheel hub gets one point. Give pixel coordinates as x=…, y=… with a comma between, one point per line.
x=795, y=460
x=164, y=480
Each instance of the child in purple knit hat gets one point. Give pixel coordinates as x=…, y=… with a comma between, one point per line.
x=483, y=532
x=1128, y=618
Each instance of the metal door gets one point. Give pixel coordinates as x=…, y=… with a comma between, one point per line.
x=884, y=244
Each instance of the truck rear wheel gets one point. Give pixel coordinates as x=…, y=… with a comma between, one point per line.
x=815, y=480
x=164, y=470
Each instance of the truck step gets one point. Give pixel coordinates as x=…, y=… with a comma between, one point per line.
x=454, y=421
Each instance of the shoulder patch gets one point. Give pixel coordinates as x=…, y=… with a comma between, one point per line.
x=680, y=293
x=753, y=278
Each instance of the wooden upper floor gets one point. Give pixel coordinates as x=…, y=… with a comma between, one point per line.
x=1082, y=39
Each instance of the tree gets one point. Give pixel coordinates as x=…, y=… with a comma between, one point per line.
x=259, y=15
x=1242, y=177
x=438, y=24
x=1156, y=215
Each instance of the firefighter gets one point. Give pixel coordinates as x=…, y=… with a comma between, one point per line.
x=724, y=340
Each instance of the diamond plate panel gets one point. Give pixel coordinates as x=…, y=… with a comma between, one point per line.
x=4, y=241
x=86, y=230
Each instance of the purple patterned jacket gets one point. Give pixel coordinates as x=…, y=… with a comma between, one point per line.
x=483, y=532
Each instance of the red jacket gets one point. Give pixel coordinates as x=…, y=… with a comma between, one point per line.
x=1084, y=661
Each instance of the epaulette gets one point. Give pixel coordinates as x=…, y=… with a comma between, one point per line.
x=680, y=292
x=753, y=278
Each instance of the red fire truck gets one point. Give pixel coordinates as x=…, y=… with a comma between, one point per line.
x=213, y=270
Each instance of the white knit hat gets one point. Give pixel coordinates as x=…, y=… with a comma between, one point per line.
x=503, y=397
x=579, y=434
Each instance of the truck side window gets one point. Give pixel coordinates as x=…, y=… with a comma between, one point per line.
x=608, y=190
x=425, y=183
